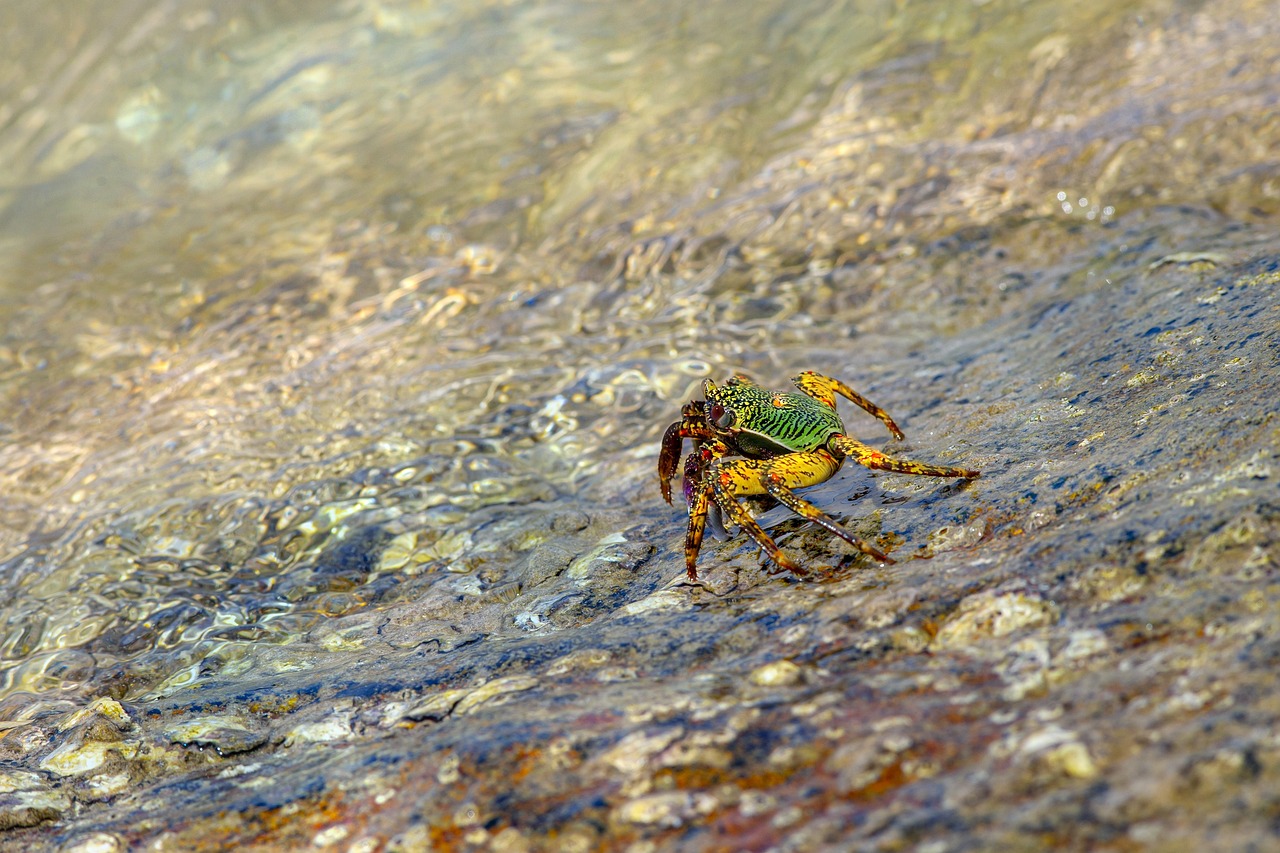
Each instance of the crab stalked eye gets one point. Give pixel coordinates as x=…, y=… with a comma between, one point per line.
x=722, y=417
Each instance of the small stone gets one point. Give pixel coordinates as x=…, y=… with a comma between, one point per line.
x=20, y=780
x=509, y=840
x=1061, y=750
x=97, y=842
x=667, y=809
x=227, y=735
x=101, y=708
x=630, y=755
x=1086, y=643
x=437, y=706
x=335, y=728
x=448, y=772
x=990, y=615
x=663, y=599
x=330, y=835
x=497, y=690
x=909, y=639
x=77, y=759
x=781, y=673
x=858, y=764
x=106, y=785
x=1073, y=759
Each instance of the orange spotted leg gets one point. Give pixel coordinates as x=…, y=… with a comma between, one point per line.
x=871, y=458
x=730, y=479
x=699, y=504
x=824, y=388
x=797, y=470
x=743, y=477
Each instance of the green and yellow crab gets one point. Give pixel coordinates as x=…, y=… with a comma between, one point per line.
x=748, y=440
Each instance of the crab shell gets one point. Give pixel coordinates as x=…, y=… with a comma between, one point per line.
x=758, y=423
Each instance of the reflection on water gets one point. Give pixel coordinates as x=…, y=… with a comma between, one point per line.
x=290, y=281
x=291, y=289
x=320, y=309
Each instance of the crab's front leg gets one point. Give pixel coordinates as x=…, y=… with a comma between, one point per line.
x=698, y=491
x=825, y=389
x=724, y=481
x=727, y=480
x=798, y=470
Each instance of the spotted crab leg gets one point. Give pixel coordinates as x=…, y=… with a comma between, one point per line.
x=731, y=478
x=699, y=497
x=797, y=470
x=868, y=457
x=824, y=389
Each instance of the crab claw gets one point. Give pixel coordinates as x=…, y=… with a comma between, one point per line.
x=669, y=458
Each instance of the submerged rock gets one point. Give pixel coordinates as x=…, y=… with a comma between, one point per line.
x=28, y=799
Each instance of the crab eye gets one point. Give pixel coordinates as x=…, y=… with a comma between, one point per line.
x=722, y=417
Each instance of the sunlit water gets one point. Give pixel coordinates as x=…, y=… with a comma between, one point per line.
x=318, y=309
x=284, y=274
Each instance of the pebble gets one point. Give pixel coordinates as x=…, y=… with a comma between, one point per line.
x=780, y=673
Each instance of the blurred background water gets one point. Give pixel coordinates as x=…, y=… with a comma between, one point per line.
x=312, y=310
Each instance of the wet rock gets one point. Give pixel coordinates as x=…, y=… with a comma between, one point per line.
x=989, y=615
x=667, y=810
x=396, y=491
x=227, y=735
x=27, y=799
x=95, y=842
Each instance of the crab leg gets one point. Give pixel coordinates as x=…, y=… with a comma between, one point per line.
x=698, y=496
x=871, y=458
x=824, y=389
x=797, y=470
x=698, y=507
x=743, y=477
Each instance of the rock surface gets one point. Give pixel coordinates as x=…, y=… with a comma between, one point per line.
x=332, y=508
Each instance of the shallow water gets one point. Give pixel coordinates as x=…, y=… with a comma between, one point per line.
x=339, y=338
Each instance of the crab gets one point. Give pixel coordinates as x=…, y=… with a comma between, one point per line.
x=750, y=441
